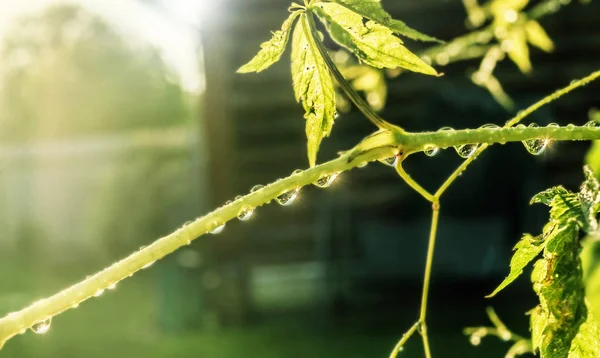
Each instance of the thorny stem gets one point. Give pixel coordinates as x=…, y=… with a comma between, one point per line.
x=358, y=101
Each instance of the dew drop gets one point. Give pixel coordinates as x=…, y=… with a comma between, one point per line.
x=466, y=150
x=245, y=213
x=570, y=126
x=475, y=340
x=297, y=171
x=112, y=286
x=75, y=305
x=218, y=228
x=592, y=124
x=490, y=126
x=326, y=180
x=391, y=161
x=535, y=146
x=443, y=129
x=42, y=327
x=362, y=165
x=553, y=125
x=256, y=188
x=100, y=292
x=431, y=150
x=287, y=198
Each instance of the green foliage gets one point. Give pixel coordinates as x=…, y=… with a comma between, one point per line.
x=371, y=42
x=526, y=250
x=372, y=10
x=560, y=324
x=271, y=51
x=313, y=86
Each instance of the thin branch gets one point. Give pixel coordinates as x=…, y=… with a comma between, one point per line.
x=380, y=145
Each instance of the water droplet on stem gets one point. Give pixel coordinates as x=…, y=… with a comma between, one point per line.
x=218, y=228
x=287, y=198
x=326, y=180
x=431, y=150
x=466, y=150
x=42, y=327
x=245, y=213
x=535, y=146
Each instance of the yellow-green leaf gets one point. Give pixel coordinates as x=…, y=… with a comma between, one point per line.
x=537, y=36
x=271, y=51
x=372, y=43
x=516, y=47
x=587, y=341
x=313, y=86
x=372, y=10
x=526, y=250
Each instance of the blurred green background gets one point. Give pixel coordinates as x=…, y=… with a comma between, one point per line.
x=121, y=120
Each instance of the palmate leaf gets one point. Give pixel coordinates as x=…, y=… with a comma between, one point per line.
x=526, y=250
x=372, y=43
x=372, y=10
x=537, y=36
x=313, y=86
x=271, y=51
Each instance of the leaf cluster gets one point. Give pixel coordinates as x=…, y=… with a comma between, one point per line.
x=561, y=325
x=362, y=27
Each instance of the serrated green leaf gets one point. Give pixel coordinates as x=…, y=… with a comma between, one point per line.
x=537, y=36
x=587, y=341
x=526, y=250
x=558, y=283
x=537, y=324
x=372, y=43
x=372, y=10
x=589, y=197
x=564, y=205
x=313, y=86
x=271, y=51
x=547, y=196
x=517, y=49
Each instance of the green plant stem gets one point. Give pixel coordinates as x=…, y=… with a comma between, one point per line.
x=358, y=101
x=412, y=183
x=435, y=206
x=515, y=120
x=16, y=322
x=399, y=346
x=381, y=145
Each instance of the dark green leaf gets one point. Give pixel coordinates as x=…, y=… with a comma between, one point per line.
x=271, y=51
x=557, y=280
x=589, y=197
x=313, y=86
x=372, y=10
x=587, y=341
x=371, y=42
x=564, y=205
x=526, y=250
